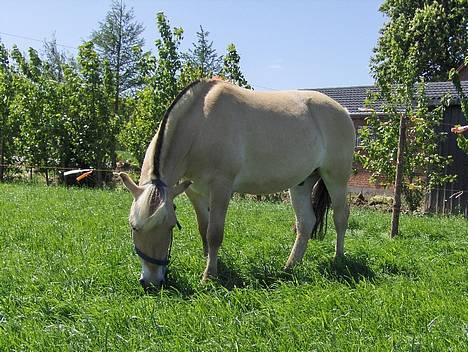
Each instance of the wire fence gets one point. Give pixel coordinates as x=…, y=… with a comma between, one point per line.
x=57, y=175
x=447, y=200
x=442, y=200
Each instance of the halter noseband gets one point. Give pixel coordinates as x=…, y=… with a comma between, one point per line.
x=151, y=260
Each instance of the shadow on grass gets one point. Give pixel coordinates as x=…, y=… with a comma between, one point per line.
x=228, y=277
x=261, y=275
x=180, y=285
x=176, y=284
x=349, y=269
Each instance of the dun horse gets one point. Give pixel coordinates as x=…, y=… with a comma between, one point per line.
x=216, y=139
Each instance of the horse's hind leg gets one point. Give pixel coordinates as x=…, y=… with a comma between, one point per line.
x=337, y=188
x=305, y=218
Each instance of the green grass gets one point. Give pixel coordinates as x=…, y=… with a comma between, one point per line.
x=68, y=281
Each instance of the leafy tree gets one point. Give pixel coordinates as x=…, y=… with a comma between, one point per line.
x=203, y=57
x=85, y=132
x=54, y=59
x=231, y=67
x=407, y=53
x=461, y=140
x=429, y=33
x=8, y=126
x=34, y=110
x=119, y=40
x=161, y=77
x=97, y=128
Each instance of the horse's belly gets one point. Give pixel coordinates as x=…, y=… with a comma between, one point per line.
x=274, y=175
x=273, y=162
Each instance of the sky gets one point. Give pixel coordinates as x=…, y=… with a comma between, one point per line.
x=290, y=44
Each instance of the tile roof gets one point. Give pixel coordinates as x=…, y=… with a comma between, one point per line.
x=353, y=98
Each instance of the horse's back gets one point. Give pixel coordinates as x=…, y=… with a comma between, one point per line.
x=271, y=140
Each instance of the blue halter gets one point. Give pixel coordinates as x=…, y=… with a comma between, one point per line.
x=151, y=260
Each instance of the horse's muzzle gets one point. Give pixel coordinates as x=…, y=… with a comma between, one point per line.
x=150, y=286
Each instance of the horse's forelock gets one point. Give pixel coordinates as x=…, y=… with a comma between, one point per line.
x=155, y=198
x=147, y=204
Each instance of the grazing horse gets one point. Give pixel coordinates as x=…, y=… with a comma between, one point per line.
x=216, y=139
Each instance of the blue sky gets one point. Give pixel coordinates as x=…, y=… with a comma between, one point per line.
x=282, y=44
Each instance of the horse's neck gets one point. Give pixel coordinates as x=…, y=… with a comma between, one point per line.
x=170, y=162
x=176, y=146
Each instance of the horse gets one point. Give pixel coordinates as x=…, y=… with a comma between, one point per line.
x=217, y=138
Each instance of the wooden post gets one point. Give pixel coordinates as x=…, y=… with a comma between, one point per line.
x=2, y=158
x=398, y=177
x=47, y=176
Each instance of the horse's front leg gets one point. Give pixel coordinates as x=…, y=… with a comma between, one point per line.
x=220, y=195
x=200, y=204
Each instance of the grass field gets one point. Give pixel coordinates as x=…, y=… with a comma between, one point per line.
x=68, y=281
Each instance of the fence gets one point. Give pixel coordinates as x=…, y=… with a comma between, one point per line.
x=51, y=175
x=447, y=200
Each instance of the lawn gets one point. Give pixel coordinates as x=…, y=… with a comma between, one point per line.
x=68, y=281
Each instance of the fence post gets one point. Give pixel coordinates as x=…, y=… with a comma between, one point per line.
x=398, y=177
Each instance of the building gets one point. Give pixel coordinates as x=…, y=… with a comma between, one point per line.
x=448, y=198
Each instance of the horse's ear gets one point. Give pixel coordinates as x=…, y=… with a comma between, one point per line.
x=181, y=187
x=135, y=190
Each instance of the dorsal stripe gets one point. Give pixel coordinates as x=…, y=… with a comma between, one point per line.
x=162, y=127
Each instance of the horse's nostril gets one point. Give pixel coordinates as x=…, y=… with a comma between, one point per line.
x=150, y=287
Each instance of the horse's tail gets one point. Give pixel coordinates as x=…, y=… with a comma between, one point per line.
x=321, y=204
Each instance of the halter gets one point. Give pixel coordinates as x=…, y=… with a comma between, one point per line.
x=162, y=262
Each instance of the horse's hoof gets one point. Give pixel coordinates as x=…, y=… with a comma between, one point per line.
x=207, y=277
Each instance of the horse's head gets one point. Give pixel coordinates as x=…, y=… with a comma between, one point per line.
x=152, y=219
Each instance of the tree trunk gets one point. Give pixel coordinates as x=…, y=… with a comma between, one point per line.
x=2, y=158
x=398, y=177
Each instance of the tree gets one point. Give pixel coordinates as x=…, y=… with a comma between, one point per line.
x=36, y=107
x=231, y=68
x=430, y=33
x=8, y=126
x=408, y=53
x=203, y=57
x=97, y=127
x=454, y=77
x=54, y=59
x=161, y=78
x=118, y=40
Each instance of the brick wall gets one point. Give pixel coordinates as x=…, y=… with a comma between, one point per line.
x=359, y=181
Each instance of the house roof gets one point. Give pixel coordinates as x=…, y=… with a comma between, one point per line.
x=353, y=98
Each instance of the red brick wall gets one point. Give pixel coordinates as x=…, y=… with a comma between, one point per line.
x=359, y=181
x=463, y=72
